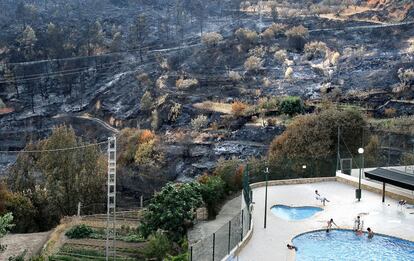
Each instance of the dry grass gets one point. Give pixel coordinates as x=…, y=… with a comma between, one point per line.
x=225, y=108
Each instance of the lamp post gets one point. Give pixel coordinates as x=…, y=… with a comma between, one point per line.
x=358, y=191
x=265, y=208
x=304, y=168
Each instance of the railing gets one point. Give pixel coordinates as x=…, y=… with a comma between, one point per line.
x=218, y=245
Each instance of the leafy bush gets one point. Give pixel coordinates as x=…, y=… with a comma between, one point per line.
x=235, y=76
x=183, y=84
x=230, y=171
x=174, y=112
x=297, y=37
x=213, y=192
x=146, y=101
x=289, y=73
x=274, y=30
x=315, y=50
x=172, y=209
x=79, y=231
x=238, y=108
x=158, y=246
x=281, y=56
x=253, y=63
x=291, y=105
x=199, y=123
x=211, y=39
x=258, y=51
x=246, y=36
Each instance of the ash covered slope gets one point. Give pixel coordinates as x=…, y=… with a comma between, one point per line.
x=95, y=61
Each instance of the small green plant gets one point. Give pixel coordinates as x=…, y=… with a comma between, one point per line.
x=79, y=231
x=135, y=238
x=158, y=246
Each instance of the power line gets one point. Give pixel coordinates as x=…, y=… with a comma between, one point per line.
x=54, y=150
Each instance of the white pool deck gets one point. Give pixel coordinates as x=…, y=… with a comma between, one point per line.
x=270, y=243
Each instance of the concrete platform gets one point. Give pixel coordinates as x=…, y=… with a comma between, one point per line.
x=270, y=244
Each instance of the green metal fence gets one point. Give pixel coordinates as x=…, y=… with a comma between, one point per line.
x=219, y=244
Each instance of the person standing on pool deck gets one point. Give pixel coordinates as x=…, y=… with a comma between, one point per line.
x=370, y=233
x=330, y=222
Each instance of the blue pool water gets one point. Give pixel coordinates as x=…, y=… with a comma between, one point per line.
x=294, y=213
x=345, y=245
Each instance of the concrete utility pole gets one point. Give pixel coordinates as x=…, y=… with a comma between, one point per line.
x=111, y=204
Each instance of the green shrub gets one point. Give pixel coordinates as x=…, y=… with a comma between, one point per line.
x=158, y=247
x=172, y=209
x=213, y=192
x=79, y=231
x=230, y=171
x=291, y=105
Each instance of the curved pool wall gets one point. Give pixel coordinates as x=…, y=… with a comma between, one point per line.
x=342, y=244
x=294, y=213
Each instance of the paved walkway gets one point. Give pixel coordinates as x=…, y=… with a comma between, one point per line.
x=207, y=228
x=270, y=244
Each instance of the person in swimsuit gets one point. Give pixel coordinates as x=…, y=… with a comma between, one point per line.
x=330, y=223
x=292, y=247
x=370, y=233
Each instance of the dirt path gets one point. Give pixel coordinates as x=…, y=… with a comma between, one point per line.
x=18, y=243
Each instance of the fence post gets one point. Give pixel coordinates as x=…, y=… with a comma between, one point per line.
x=214, y=244
x=250, y=219
x=242, y=225
x=228, y=248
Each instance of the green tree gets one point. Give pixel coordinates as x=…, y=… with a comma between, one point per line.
x=54, y=44
x=314, y=136
x=71, y=176
x=22, y=173
x=138, y=33
x=172, y=209
x=28, y=41
x=23, y=212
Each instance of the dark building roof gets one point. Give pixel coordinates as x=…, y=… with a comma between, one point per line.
x=393, y=177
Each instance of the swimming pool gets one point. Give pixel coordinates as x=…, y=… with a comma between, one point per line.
x=346, y=245
x=294, y=213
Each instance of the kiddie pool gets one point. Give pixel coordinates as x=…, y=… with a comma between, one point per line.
x=294, y=213
x=346, y=245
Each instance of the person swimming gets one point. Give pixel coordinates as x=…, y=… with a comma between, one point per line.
x=330, y=223
x=292, y=247
x=370, y=233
